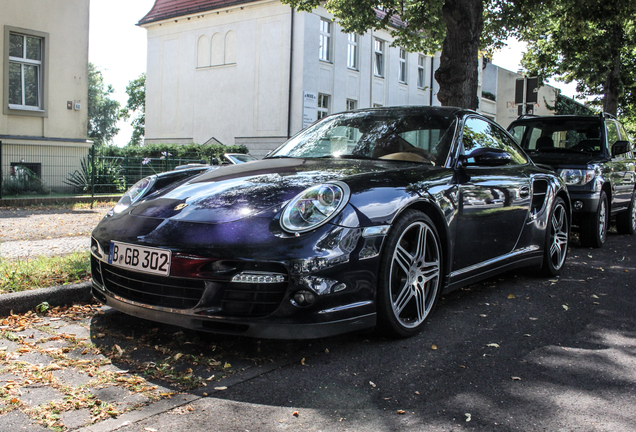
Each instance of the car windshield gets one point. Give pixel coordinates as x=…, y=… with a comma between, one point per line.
x=419, y=137
x=241, y=158
x=559, y=135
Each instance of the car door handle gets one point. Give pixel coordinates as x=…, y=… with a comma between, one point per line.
x=524, y=192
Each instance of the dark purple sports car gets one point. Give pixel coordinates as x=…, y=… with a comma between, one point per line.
x=361, y=220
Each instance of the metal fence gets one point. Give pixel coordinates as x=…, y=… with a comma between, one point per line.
x=63, y=169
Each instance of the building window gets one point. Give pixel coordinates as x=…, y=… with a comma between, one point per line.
x=325, y=40
x=25, y=71
x=352, y=104
x=352, y=51
x=402, y=74
x=323, y=105
x=420, y=72
x=378, y=64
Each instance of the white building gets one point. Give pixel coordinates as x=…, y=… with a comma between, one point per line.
x=44, y=49
x=255, y=72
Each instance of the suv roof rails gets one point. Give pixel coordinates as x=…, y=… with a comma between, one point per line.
x=527, y=115
x=607, y=115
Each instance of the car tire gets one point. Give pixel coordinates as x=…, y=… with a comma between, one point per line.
x=557, y=237
x=626, y=220
x=410, y=277
x=593, y=229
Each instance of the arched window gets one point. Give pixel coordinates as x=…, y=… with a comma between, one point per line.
x=230, y=47
x=217, y=50
x=203, y=52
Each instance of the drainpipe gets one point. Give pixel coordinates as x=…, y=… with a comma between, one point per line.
x=432, y=77
x=0, y=169
x=291, y=68
x=372, y=70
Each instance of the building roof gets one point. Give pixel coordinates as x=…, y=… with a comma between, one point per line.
x=167, y=9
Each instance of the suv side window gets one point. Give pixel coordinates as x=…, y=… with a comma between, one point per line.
x=612, y=132
x=481, y=134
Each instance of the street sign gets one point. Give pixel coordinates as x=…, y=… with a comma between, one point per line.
x=526, y=94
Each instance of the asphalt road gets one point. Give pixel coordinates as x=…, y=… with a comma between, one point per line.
x=515, y=353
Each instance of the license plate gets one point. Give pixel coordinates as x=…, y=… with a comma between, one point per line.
x=140, y=258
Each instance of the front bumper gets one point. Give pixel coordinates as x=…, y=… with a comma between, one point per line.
x=204, y=291
x=256, y=329
x=583, y=204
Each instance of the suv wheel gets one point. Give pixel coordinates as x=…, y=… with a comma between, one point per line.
x=626, y=221
x=593, y=229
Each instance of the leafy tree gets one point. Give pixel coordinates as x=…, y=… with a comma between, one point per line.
x=565, y=105
x=136, y=90
x=103, y=111
x=588, y=41
x=458, y=27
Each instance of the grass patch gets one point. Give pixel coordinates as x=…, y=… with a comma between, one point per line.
x=41, y=272
x=65, y=206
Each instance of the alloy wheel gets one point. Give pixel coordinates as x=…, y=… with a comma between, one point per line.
x=415, y=274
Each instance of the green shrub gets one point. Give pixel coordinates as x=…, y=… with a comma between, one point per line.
x=23, y=181
x=108, y=177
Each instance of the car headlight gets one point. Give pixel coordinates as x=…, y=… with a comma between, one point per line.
x=135, y=193
x=314, y=207
x=577, y=177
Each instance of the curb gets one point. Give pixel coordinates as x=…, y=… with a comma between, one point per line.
x=62, y=295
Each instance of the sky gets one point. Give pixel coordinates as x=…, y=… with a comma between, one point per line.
x=118, y=48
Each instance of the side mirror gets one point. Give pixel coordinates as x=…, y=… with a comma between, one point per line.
x=487, y=157
x=619, y=148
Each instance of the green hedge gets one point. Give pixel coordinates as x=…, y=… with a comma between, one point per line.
x=201, y=151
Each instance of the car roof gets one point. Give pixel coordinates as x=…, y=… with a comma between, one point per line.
x=556, y=118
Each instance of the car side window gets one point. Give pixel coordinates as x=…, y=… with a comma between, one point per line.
x=612, y=132
x=482, y=134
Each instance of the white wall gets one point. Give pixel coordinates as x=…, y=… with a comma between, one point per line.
x=246, y=101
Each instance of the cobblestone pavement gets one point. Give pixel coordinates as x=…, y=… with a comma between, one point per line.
x=88, y=365
x=29, y=233
x=51, y=247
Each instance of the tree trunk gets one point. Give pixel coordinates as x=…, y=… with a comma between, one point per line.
x=613, y=83
x=458, y=74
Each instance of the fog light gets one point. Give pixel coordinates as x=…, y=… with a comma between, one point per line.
x=578, y=205
x=303, y=298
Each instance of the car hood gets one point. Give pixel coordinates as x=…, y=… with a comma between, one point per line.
x=234, y=192
x=557, y=159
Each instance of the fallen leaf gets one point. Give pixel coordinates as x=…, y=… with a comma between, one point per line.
x=150, y=429
x=510, y=296
x=468, y=417
x=372, y=384
x=177, y=356
x=302, y=361
x=295, y=413
x=494, y=345
x=401, y=412
x=433, y=347
x=220, y=388
x=565, y=307
x=52, y=367
x=514, y=378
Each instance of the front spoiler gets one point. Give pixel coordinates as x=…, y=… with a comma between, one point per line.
x=261, y=329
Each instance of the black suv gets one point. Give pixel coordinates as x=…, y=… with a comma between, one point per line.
x=593, y=156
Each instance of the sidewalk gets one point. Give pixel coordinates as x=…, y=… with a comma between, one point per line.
x=49, y=247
